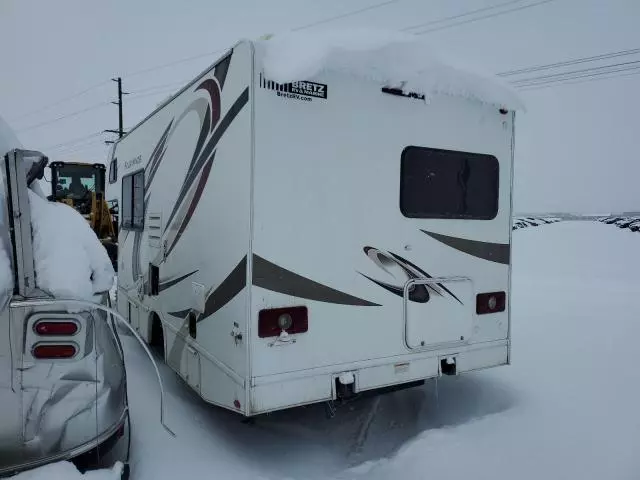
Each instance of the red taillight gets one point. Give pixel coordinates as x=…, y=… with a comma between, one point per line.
x=491, y=302
x=54, y=351
x=55, y=328
x=292, y=320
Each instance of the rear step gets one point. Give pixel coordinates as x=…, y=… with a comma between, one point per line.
x=346, y=392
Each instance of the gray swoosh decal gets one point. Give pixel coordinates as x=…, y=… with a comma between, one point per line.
x=205, y=155
x=202, y=136
x=222, y=69
x=272, y=277
x=186, y=211
x=125, y=235
x=156, y=157
x=222, y=294
x=493, y=252
x=419, y=295
x=425, y=274
x=173, y=281
x=180, y=313
x=227, y=290
x=135, y=256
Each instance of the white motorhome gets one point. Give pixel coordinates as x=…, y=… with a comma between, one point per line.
x=303, y=241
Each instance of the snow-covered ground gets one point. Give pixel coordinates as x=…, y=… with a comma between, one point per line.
x=566, y=409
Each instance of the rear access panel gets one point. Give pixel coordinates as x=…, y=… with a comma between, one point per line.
x=437, y=312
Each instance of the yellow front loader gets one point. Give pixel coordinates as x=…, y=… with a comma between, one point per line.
x=81, y=186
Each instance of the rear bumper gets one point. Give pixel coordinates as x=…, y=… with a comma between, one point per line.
x=111, y=446
x=276, y=392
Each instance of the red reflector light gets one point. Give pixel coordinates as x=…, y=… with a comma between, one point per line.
x=491, y=302
x=292, y=320
x=46, y=327
x=51, y=351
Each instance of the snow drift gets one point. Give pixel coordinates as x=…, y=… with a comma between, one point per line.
x=70, y=261
x=392, y=59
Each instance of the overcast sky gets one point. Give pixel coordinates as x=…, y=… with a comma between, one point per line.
x=575, y=146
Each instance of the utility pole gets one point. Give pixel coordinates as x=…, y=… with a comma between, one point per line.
x=120, y=130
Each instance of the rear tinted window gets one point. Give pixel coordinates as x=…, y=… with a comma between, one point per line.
x=133, y=201
x=448, y=184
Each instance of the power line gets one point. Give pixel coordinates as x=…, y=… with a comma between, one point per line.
x=89, y=146
x=71, y=142
x=529, y=82
x=345, y=15
x=464, y=14
x=78, y=112
x=159, y=87
x=145, y=95
x=302, y=27
x=74, y=148
x=62, y=100
x=568, y=75
x=584, y=75
x=69, y=115
x=208, y=54
x=535, y=4
x=176, y=62
x=577, y=61
x=597, y=78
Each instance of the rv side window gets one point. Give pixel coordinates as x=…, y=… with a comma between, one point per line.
x=138, y=200
x=448, y=184
x=133, y=201
x=113, y=171
x=127, y=204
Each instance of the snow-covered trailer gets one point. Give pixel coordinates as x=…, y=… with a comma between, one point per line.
x=296, y=236
x=62, y=376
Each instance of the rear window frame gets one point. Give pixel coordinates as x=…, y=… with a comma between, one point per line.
x=128, y=218
x=413, y=214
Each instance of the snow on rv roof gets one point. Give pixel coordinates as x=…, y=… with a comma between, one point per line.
x=393, y=59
